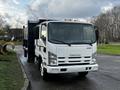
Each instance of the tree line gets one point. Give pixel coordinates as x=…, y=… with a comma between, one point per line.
x=108, y=24
x=3, y=26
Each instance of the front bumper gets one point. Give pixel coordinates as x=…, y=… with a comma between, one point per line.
x=71, y=69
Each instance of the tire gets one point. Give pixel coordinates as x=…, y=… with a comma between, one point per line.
x=83, y=74
x=25, y=53
x=44, y=73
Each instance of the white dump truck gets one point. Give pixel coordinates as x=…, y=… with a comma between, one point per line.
x=61, y=47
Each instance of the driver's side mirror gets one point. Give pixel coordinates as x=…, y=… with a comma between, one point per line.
x=43, y=38
x=96, y=32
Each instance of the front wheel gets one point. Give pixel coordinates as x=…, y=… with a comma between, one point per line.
x=82, y=74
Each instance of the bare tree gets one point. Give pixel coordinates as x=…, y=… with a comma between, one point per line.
x=2, y=22
x=109, y=25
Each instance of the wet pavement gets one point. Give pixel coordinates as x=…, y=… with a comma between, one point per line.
x=106, y=78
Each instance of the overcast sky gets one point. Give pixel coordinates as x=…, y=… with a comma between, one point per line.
x=22, y=10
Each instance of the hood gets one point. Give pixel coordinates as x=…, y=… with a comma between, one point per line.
x=74, y=51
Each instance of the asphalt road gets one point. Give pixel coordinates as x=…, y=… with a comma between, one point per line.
x=106, y=78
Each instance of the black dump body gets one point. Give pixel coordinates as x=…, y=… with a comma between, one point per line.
x=29, y=42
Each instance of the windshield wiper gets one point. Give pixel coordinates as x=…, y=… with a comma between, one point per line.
x=81, y=43
x=69, y=44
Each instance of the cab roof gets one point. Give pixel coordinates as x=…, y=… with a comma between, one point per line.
x=67, y=22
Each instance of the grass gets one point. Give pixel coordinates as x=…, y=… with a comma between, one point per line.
x=109, y=49
x=18, y=42
x=11, y=77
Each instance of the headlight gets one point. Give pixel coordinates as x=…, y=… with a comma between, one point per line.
x=94, y=58
x=52, y=58
x=94, y=55
x=93, y=61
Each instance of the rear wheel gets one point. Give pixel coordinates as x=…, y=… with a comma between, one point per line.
x=82, y=74
x=25, y=53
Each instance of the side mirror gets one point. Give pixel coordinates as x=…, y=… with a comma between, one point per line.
x=44, y=24
x=36, y=32
x=96, y=32
x=43, y=38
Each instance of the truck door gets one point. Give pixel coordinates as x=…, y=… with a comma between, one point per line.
x=43, y=40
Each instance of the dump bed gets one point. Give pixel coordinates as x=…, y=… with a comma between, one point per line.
x=29, y=39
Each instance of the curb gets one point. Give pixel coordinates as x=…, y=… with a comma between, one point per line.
x=26, y=82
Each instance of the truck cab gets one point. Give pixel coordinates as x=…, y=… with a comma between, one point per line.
x=66, y=47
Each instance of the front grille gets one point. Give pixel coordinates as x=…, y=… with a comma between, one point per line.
x=87, y=57
x=86, y=60
x=61, y=57
x=61, y=61
x=73, y=64
x=74, y=61
x=74, y=57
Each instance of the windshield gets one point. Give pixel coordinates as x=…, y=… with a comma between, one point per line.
x=71, y=33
